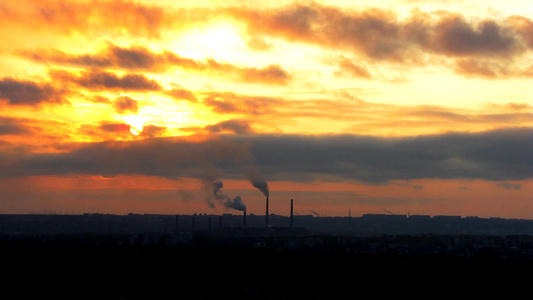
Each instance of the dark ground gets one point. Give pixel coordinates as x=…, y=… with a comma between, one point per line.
x=59, y=270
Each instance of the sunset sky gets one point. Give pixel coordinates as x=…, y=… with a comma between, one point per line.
x=143, y=107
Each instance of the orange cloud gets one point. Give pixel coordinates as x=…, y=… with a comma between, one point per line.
x=124, y=104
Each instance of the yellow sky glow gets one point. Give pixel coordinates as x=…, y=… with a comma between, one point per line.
x=77, y=74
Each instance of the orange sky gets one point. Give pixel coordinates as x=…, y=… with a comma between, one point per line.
x=420, y=106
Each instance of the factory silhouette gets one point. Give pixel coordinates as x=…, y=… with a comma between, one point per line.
x=456, y=234
x=248, y=256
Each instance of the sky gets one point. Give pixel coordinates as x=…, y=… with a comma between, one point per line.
x=181, y=107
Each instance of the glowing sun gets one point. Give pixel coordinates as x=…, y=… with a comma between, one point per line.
x=136, y=124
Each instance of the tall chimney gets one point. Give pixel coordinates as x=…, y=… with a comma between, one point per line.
x=244, y=220
x=177, y=223
x=193, y=225
x=266, y=215
x=292, y=213
x=209, y=224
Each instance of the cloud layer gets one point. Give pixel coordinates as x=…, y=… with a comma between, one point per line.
x=493, y=155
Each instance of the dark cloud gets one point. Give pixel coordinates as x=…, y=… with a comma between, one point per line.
x=141, y=58
x=499, y=155
x=153, y=130
x=234, y=126
x=379, y=34
x=134, y=58
x=168, y=157
x=28, y=93
x=124, y=104
x=493, y=155
x=107, y=80
x=510, y=186
x=454, y=36
x=418, y=187
x=115, y=127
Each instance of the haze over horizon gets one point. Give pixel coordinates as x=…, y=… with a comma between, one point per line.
x=208, y=107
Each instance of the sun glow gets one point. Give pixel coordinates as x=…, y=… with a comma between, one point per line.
x=136, y=124
x=219, y=40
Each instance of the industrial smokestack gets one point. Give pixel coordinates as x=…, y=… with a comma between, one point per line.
x=266, y=215
x=177, y=223
x=292, y=213
x=244, y=220
x=209, y=224
x=193, y=225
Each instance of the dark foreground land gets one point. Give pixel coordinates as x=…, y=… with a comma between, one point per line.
x=77, y=270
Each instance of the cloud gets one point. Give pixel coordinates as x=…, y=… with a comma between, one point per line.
x=418, y=187
x=94, y=18
x=95, y=79
x=270, y=74
x=29, y=93
x=13, y=126
x=132, y=58
x=153, y=130
x=377, y=34
x=499, y=155
x=493, y=155
x=234, y=126
x=348, y=67
x=182, y=94
x=453, y=36
x=99, y=99
x=258, y=44
x=138, y=58
x=510, y=186
x=124, y=104
x=105, y=131
x=115, y=127
x=233, y=103
x=524, y=26
x=489, y=69
x=381, y=35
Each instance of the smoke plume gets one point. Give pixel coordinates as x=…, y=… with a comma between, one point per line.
x=258, y=181
x=235, y=203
